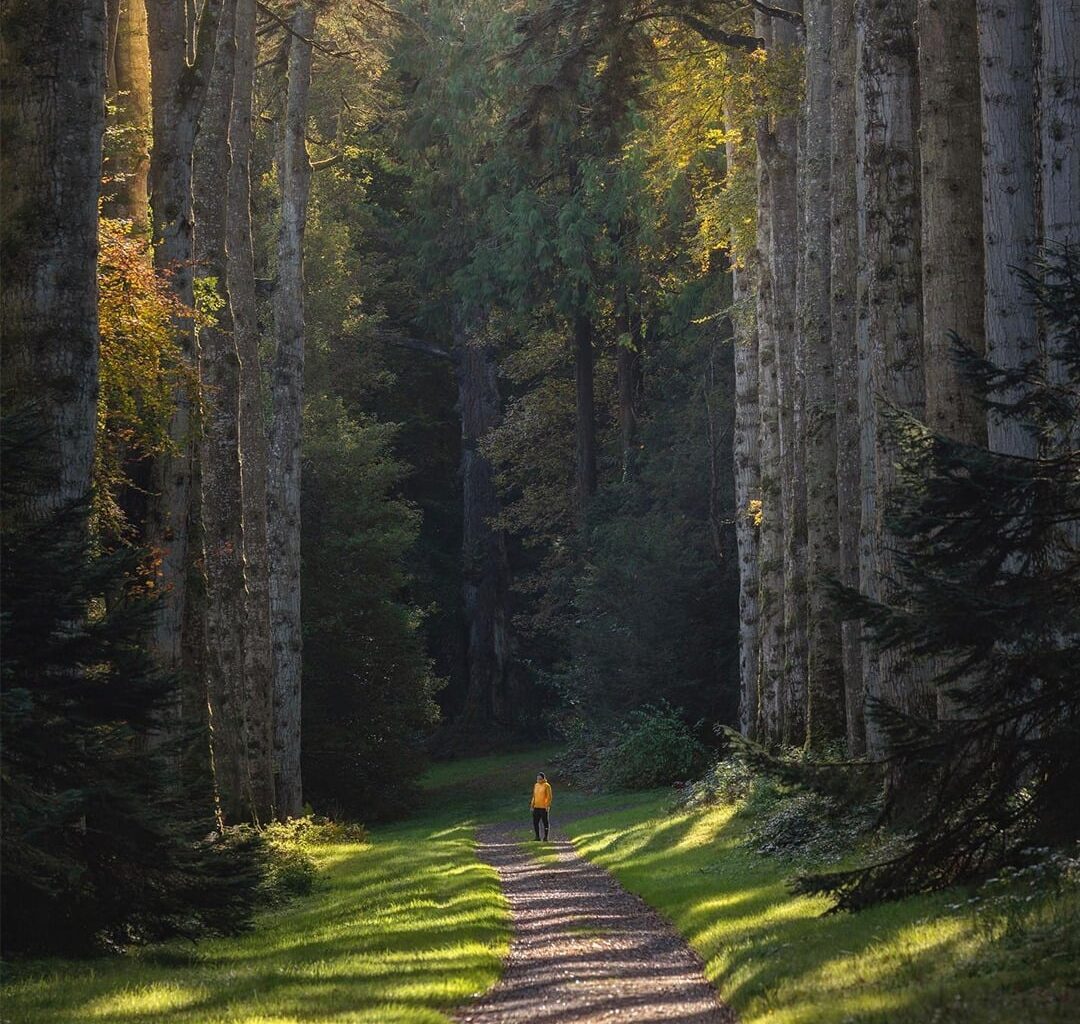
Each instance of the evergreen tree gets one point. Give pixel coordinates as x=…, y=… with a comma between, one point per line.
x=988, y=594
x=98, y=848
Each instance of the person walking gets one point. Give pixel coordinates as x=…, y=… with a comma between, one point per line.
x=541, y=804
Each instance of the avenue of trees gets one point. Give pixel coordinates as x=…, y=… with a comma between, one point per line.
x=382, y=379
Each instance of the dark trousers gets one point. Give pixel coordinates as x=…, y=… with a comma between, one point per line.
x=540, y=815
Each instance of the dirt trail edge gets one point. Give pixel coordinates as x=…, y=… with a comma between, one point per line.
x=586, y=950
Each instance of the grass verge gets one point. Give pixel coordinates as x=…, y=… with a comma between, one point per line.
x=777, y=960
x=398, y=930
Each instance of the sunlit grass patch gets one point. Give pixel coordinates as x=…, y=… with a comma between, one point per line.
x=400, y=929
x=777, y=960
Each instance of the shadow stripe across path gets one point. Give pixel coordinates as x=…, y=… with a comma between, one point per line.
x=586, y=951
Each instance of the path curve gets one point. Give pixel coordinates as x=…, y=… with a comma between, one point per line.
x=586, y=950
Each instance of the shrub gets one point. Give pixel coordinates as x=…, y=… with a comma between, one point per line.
x=727, y=781
x=653, y=747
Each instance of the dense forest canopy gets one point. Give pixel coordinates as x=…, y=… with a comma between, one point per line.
x=393, y=380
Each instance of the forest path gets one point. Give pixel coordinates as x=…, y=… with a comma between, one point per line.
x=584, y=949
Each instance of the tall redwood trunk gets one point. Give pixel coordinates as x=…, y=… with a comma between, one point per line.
x=1059, y=120
x=891, y=312
x=52, y=104
x=771, y=581
x=178, y=88
x=777, y=149
x=1010, y=232
x=258, y=660
x=844, y=262
x=825, y=691
x=952, y=250
x=746, y=456
x=283, y=482
x=129, y=92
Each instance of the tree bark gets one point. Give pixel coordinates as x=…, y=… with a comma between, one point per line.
x=1059, y=120
x=771, y=580
x=825, y=720
x=283, y=484
x=52, y=90
x=258, y=658
x=890, y=315
x=747, y=469
x=628, y=377
x=1006, y=55
x=129, y=91
x=844, y=264
x=177, y=91
x=485, y=568
x=778, y=149
x=952, y=250
x=586, y=415
x=241, y=753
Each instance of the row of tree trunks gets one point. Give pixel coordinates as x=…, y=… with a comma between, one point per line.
x=52, y=117
x=896, y=251
x=283, y=485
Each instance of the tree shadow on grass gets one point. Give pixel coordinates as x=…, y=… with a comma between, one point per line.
x=400, y=930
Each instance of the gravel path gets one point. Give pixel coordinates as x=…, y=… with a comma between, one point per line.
x=586, y=950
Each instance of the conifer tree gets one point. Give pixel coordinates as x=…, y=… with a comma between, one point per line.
x=988, y=594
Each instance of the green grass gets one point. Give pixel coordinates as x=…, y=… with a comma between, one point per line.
x=777, y=960
x=400, y=929
x=407, y=927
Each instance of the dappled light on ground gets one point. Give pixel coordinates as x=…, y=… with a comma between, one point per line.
x=779, y=960
x=401, y=929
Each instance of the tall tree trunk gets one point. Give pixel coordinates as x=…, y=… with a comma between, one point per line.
x=242, y=764
x=950, y=148
x=628, y=377
x=52, y=91
x=771, y=581
x=747, y=463
x=485, y=569
x=178, y=88
x=747, y=492
x=844, y=263
x=778, y=148
x=825, y=691
x=129, y=92
x=586, y=415
x=283, y=487
x=1059, y=120
x=258, y=659
x=891, y=314
x=1006, y=55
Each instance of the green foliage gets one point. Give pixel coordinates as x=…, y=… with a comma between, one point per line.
x=648, y=747
x=728, y=781
x=652, y=747
x=100, y=848
x=368, y=684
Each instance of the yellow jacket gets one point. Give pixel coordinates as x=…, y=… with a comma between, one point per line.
x=541, y=795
